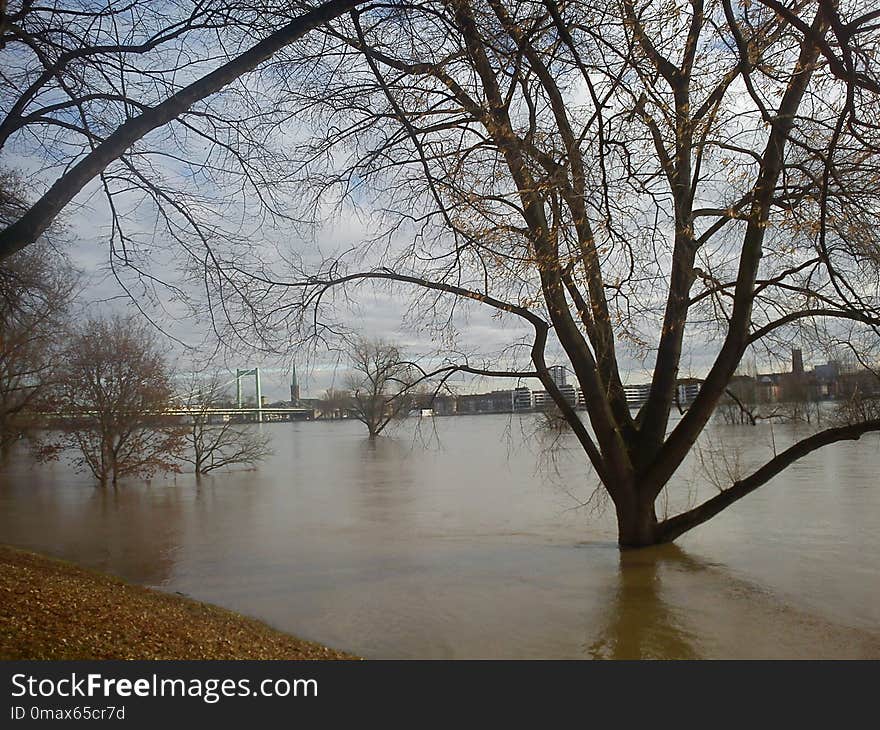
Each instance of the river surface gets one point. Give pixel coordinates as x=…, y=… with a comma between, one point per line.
x=460, y=538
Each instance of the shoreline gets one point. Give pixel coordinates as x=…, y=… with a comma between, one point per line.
x=51, y=609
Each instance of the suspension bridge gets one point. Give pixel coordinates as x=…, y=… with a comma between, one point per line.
x=202, y=403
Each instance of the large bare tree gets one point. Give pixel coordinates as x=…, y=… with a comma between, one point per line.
x=629, y=180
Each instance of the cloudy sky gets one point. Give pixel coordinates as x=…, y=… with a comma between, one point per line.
x=368, y=312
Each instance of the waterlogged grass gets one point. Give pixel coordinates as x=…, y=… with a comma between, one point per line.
x=50, y=609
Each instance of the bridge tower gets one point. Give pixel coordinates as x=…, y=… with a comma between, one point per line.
x=239, y=374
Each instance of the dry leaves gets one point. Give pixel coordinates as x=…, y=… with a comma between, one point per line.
x=50, y=609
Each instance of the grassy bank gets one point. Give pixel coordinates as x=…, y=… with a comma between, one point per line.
x=51, y=609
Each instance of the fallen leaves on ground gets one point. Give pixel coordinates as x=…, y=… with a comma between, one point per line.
x=50, y=609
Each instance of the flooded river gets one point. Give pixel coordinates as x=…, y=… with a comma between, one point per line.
x=465, y=540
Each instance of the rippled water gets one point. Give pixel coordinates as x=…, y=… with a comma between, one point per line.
x=462, y=540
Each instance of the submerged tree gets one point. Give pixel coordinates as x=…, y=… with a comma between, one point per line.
x=215, y=445
x=380, y=384
x=615, y=176
x=113, y=393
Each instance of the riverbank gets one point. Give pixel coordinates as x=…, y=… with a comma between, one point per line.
x=51, y=609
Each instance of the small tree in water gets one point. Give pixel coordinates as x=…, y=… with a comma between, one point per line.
x=218, y=445
x=114, y=389
x=380, y=384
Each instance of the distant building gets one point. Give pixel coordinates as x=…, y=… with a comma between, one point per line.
x=827, y=373
x=537, y=400
x=569, y=393
x=498, y=401
x=687, y=390
x=558, y=375
x=522, y=399
x=769, y=388
x=540, y=399
x=637, y=395
x=826, y=378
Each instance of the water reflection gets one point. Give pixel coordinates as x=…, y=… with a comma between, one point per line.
x=380, y=476
x=639, y=623
x=101, y=528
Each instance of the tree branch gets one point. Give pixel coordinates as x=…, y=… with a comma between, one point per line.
x=670, y=529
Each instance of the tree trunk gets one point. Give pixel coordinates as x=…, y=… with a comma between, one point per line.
x=636, y=523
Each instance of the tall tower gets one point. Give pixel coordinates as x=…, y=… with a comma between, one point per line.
x=797, y=362
x=259, y=395
x=294, y=388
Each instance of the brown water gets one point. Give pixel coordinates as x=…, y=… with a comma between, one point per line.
x=471, y=545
